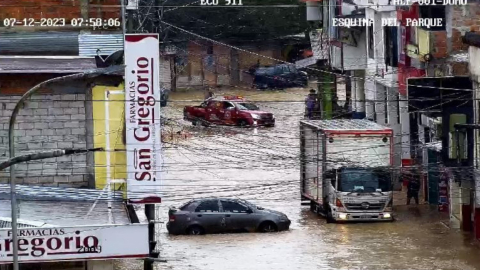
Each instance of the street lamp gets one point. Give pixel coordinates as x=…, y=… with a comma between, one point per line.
x=11, y=144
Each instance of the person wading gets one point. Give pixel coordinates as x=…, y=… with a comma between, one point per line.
x=413, y=187
x=310, y=102
x=208, y=93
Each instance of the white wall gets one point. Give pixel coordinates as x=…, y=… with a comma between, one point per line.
x=355, y=58
x=474, y=62
x=358, y=91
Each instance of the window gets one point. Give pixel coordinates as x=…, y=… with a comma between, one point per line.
x=434, y=12
x=183, y=207
x=371, y=45
x=208, y=206
x=227, y=105
x=247, y=106
x=210, y=49
x=234, y=207
x=391, y=45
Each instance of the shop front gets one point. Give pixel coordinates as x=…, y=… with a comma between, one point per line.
x=69, y=229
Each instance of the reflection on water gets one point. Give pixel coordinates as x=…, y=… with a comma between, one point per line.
x=261, y=165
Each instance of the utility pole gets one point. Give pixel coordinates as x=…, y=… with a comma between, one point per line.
x=11, y=141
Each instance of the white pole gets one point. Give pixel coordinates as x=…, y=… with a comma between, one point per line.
x=107, y=156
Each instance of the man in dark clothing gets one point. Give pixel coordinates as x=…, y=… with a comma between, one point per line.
x=413, y=188
x=310, y=103
x=208, y=93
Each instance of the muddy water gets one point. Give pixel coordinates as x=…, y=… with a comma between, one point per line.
x=261, y=165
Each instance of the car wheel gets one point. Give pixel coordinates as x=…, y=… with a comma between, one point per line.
x=243, y=123
x=195, y=230
x=268, y=226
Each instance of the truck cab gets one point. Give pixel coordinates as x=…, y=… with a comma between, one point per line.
x=359, y=194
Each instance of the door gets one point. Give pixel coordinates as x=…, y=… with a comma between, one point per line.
x=227, y=112
x=238, y=217
x=212, y=113
x=208, y=215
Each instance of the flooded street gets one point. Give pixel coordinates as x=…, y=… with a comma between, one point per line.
x=262, y=166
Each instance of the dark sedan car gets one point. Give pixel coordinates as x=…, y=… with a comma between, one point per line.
x=280, y=76
x=221, y=215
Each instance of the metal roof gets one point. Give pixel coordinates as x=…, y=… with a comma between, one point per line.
x=39, y=43
x=46, y=65
x=346, y=124
x=62, y=206
x=105, y=44
x=25, y=192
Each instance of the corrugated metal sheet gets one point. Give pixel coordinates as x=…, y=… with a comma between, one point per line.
x=107, y=44
x=39, y=43
x=45, y=65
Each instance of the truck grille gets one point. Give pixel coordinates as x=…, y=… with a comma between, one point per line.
x=365, y=206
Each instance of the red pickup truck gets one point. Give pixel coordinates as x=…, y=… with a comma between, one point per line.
x=233, y=111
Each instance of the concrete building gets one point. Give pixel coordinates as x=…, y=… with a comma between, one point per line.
x=60, y=117
x=199, y=63
x=472, y=39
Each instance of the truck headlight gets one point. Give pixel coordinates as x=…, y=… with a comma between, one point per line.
x=342, y=216
x=387, y=215
x=255, y=116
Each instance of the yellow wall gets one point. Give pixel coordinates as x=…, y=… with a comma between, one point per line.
x=116, y=121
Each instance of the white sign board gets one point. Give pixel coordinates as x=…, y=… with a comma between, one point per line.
x=132, y=5
x=142, y=117
x=76, y=243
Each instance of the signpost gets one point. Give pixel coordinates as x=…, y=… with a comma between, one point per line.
x=142, y=117
x=40, y=244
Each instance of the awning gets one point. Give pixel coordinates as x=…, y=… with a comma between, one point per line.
x=58, y=224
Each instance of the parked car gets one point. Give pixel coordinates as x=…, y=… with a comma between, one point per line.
x=279, y=76
x=222, y=215
x=227, y=110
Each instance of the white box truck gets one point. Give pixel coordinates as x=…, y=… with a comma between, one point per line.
x=346, y=169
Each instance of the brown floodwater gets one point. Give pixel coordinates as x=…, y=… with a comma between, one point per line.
x=261, y=165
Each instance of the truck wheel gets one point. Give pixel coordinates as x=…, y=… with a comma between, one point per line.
x=330, y=218
x=194, y=123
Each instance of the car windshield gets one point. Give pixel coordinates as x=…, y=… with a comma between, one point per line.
x=249, y=204
x=247, y=106
x=364, y=180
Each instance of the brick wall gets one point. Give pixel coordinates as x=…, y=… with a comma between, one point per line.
x=68, y=9
x=45, y=123
x=464, y=19
x=195, y=74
